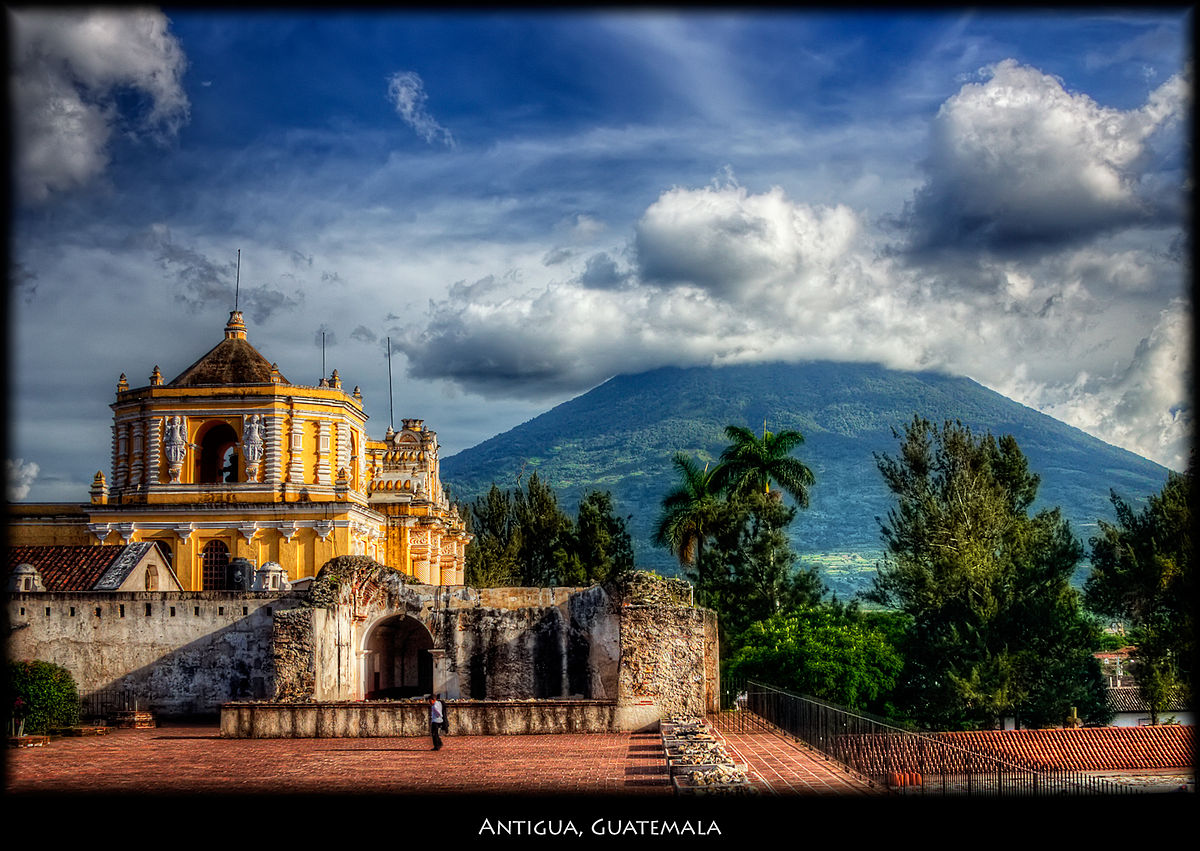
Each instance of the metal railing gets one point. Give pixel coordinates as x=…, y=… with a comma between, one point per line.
x=100, y=705
x=907, y=762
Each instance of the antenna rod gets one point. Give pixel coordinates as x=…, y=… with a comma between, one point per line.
x=322, y=354
x=391, y=415
x=238, y=281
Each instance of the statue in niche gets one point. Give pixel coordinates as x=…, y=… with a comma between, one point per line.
x=252, y=439
x=252, y=444
x=175, y=445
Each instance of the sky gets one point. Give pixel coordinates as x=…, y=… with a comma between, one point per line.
x=524, y=205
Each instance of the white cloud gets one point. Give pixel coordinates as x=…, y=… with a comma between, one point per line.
x=1019, y=159
x=1145, y=405
x=67, y=67
x=735, y=245
x=20, y=477
x=406, y=91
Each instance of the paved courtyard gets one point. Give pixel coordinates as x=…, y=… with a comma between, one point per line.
x=195, y=759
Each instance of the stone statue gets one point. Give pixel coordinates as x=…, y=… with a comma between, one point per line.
x=252, y=439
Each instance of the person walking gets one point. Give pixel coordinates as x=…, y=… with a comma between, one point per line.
x=437, y=716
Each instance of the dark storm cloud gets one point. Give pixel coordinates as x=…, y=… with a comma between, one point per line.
x=262, y=302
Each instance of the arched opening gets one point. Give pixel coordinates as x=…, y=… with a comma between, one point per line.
x=151, y=578
x=218, y=459
x=214, y=562
x=398, y=661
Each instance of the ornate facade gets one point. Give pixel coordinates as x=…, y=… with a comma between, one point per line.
x=230, y=460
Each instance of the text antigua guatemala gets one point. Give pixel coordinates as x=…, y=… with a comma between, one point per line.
x=600, y=827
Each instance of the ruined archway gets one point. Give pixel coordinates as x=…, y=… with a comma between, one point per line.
x=397, y=659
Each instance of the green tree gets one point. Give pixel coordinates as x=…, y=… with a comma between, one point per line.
x=689, y=512
x=1141, y=571
x=602, y=541
x=43, y=694
x=750, y=569
x=750, y=464
x=492, y=558
x=546, y=555
x=523, y=537
x=996, y=628
x=825, y=652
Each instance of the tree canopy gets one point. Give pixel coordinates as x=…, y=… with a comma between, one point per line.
x=750, y=464
x=1142, y=572
x=728, y=530
x=524, y=537
x=996, y=628
x=826, y=652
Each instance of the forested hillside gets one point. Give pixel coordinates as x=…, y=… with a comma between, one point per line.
x=621, y=436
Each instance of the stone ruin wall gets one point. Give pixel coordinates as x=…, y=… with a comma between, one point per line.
x=630, y=645
x=175, y=653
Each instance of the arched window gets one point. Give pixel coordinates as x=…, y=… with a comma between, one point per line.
x=218, y=459
x=214, y=562
x=151, y=578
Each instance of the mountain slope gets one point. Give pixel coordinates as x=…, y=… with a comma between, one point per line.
x=621, y=437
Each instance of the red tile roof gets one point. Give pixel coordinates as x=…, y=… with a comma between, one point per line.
x=66, y=568
x=1087, y=748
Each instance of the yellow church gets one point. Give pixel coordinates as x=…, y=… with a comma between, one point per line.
x=230, y=460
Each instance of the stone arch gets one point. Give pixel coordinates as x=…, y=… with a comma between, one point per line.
x=396, y=658
x=217, y=461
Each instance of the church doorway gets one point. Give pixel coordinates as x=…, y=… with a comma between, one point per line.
x=398, y=661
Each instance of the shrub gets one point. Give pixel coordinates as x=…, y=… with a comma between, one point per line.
x=43, y=693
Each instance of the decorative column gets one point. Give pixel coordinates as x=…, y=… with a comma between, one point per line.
x=323, y=476
x=295, y=474
x=135, y=455
x=273, y=449
x=154, y=451
x=418, y=550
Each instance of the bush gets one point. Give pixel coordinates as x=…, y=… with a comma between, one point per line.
x=42, y=693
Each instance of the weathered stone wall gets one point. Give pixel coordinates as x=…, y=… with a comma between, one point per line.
x=663, y=658
x=293, y=650
x=176, y=653
x=411, y=718
x=639, y=645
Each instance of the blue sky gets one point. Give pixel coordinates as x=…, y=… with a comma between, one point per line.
x=529, y=203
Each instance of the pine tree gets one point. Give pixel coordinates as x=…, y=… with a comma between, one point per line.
x=996, y=628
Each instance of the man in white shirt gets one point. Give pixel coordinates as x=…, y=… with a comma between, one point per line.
x=436, y=717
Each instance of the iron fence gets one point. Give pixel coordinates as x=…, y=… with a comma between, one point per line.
x=907, y=762
x=100, y=705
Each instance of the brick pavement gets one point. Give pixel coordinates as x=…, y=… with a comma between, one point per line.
x=191, y=759
x=195, y=759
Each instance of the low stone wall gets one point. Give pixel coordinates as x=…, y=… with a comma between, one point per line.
x=363, y=719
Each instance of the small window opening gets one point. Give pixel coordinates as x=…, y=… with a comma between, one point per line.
x=147, y=610
x=122, y=610
x=172, y=611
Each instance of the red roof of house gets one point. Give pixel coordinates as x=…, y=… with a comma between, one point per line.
x=1087, y=748
x=66, y=568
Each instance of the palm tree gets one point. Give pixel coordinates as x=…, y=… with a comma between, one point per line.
x=750, y=464
x=688, y=512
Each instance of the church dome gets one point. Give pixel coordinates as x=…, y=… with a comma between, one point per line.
x=231, y=361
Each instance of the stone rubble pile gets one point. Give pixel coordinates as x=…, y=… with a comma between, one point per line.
x=698, y=761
